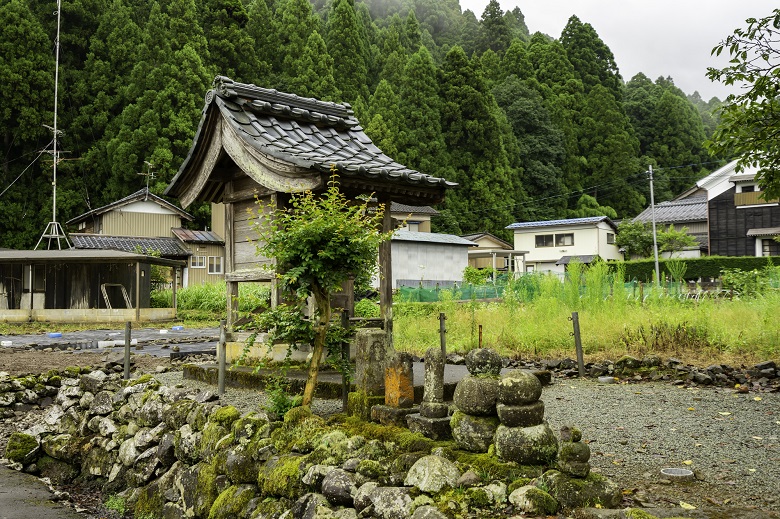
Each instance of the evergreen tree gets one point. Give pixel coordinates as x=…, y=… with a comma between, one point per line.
x=27, y=73
x=412, y=36
x=313, y=72
x=385, y=116
x=348, y=46
x=516, y=61
x=593, y=61
x=421, y=143
x=294, y=21
x=167, y=86
x=231, y=47
x=494, y=31
x=260, y=27
x=478, y=159
x=469, y=33
x=515, y=19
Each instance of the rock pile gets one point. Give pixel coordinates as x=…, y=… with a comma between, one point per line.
x=475, y=422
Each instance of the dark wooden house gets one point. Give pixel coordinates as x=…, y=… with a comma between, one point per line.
x=255, y=143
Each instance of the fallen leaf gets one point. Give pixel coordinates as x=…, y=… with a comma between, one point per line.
x=713, y=501
x=751, y=470
x=697, y=445
x=757, y=398
x=687, y=462
x=757, y=437
x=724, y=413
x=726, y=501
x=687, y=506
x=691, y=409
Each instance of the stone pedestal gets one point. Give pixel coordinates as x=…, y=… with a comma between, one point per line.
x=433, y=428
x=389, y=415
x=433, y=421
x=399, y=381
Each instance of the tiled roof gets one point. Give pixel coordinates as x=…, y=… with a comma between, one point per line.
x=142, y=194
x=766, y=231
x=281, y=129
x=167, y=247
x=431, y=237
x=477, y=236
x=692, y=209
x=188, y=236
x=395, y=207
x=570, y=221
x=79, y=256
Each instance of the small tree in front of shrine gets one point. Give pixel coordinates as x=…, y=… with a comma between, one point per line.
x=318, y=241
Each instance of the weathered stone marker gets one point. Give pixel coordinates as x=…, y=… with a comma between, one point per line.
x=475, y=422
x=399, y=392
x=433, y=420
x=370, y=358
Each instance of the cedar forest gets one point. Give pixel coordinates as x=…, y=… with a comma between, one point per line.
x=531, y=126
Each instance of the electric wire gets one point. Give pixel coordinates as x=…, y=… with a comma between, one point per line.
x=41, y=152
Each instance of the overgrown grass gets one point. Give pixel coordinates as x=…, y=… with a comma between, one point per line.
x=212, y=298
x=613, y=322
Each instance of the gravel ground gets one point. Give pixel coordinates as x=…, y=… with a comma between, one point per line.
x=729, y=439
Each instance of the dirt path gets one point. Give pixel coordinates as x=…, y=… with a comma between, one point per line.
x=23, y=496
x=17, y=362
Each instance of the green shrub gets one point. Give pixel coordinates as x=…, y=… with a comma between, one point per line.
x=366, y=308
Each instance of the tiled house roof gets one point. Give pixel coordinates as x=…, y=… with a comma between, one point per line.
x=167, y=247
x=396, y=207
x=431, y=237
x=692, y=209
x=138, y=196
x=288, y=143
x=569, y=221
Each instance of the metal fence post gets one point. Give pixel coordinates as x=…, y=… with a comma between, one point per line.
x=128, y=326
x=221, y=358
x=575, y=319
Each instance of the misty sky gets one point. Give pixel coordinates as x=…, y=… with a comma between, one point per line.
x=655, y=37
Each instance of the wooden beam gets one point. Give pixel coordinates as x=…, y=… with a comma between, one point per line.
x=386, y=276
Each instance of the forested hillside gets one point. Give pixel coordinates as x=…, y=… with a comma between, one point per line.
x=531, y=126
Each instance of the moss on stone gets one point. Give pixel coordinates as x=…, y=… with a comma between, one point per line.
x=150, y=502
x=281, y=477
x=143, y=379
x=359, y=404
x=302, y=437
x=215, y=438
x=225, y=416
x=490, y=467
x=371, y=469
x=231, y=502
x=21, y=447
x=72, y=371
x=635, y=513
x=297, y=414
x=405, y=439
x=478, y=497
x=205, y=489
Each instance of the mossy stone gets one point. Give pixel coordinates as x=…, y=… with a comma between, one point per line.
x=478, y=497
x=476, y=395
x=58, y=471
x=572, y=492
x=22, y=448
x=225, y=416
x=232, y=501
x=533, y=500
x=216, y=437
x=519, y=387
x=281, y=477
x=149, y=502
x=206, y=490
x=370, y=469
x=483, y=361
x=535, y=445
x=473, y=433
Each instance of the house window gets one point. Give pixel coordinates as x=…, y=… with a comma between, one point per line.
x=564, y=240
x=749, y=188
x=765, y=250
x=215, y=264
x=544, y=240
x=611, y=238
x=413, y=226
x=198, y=262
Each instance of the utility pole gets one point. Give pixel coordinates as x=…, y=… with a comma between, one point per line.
x=655, y=239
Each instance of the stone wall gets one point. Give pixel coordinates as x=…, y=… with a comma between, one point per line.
x=174, y=453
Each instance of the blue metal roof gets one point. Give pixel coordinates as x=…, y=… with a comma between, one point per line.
x=569, y=221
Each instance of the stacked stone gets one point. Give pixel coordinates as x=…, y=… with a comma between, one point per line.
x=475, y=422
x=523, y=436
x=432, y=420
x=573, y=455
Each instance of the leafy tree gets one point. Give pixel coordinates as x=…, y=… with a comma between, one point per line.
x=232, y=49
x=516, y=61
x=411, y=37
x=318, y=242
x=673, y=240
x=636, y=238
x=589, y=206
x=750, y=121
x=515, y=19
x=260, y=27
x=294, y=21
x=349, y=48
x=385, y=126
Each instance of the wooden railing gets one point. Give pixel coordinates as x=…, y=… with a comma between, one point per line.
x=752, y=198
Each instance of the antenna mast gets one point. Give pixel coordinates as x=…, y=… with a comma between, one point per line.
x=54, y=231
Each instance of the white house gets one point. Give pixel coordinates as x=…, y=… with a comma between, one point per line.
x=552, y=244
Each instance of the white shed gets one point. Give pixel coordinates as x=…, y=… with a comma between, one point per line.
x=428, y=259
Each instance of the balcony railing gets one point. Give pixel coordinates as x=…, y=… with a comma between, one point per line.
x=753, y=198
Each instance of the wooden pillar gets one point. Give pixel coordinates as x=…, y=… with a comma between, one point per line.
x=386, y=277
x=232, y=304
x=175, y=282
x=138, y=291
x=230, y=252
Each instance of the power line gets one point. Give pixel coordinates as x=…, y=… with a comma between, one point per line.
x=24, y=170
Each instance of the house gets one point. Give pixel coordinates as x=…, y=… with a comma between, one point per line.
x=494, y=253
x=552, y=244
x=428, y=259
x=727, y=214
x=688, y=212
x=254, y=144
x=412, y=217
x=145, y=223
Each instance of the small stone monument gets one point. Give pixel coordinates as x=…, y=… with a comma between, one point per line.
x=475, y=422
x=573, y=455
x=370, y=358
x=432, y=421
x=399, y=392
x=523, y=436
